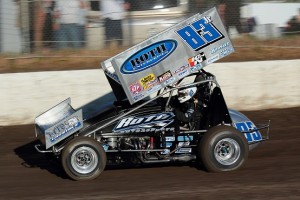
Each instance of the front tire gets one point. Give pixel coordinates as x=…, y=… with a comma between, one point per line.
x=83, y=158
x=223, y=148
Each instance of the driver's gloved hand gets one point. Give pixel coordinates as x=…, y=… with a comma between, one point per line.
x=169, y=109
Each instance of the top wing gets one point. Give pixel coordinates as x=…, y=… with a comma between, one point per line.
x=169, y=56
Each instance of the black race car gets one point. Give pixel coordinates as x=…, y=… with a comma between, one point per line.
x=150, y=132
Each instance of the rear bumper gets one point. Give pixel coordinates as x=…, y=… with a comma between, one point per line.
x=262, y=129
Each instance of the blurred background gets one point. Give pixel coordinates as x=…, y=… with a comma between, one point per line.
x=48, y=33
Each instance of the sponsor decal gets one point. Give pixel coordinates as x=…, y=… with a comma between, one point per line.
x=222, y=46
x=254, y=136
x=169, y=81
x=200, y=33
x=166, y=151
x=165, y=76
x=145, y=130
x=196, y=68
x=156, y=121
x=135, y=88
x=170, y=139
x=64, y=128
x=138, y=97
x=185, y=138
x=225, y=52
x=196, y=62
x=154, y=88
x=105, y=147
x=167, y=144
x=191, y=93
x=181, y=69
x=183, y=73
x=184, y=150
x=148, y=81
x=198, y=59
x=224, y=49
x=213, y=58
x=148, y=56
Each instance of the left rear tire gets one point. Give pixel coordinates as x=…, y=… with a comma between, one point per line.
x=83, y=158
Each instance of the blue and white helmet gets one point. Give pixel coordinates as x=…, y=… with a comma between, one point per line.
x=186, y=94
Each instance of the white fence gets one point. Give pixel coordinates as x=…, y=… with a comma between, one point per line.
x=246, y=86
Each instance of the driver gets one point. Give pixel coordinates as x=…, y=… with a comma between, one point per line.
x=185, y=109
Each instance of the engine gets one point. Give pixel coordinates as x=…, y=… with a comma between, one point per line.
x=158, y=149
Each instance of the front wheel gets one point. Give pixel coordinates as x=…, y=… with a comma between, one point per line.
x=223, y=148
x=83, y=158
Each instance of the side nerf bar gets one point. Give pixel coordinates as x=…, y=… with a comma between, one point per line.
x=39, y=149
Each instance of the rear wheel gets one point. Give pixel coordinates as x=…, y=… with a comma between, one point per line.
x=223, y=148
x=83, y=159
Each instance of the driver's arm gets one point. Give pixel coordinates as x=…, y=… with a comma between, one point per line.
x=185, y=116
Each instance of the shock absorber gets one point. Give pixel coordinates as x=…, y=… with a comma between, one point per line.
x=151, y=142
x=163, y=139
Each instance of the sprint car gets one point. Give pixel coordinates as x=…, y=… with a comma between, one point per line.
x=141, y=126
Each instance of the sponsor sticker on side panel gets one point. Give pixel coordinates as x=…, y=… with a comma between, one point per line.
x=148, y=81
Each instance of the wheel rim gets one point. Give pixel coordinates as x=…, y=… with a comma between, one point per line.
x=227, y=151
x=84, y=160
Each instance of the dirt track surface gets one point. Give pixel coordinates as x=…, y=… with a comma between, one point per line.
x=271, y=172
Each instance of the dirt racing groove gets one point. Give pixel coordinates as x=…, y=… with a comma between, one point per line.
x=271, y=172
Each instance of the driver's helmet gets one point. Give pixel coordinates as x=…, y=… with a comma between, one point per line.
x=186, y=94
